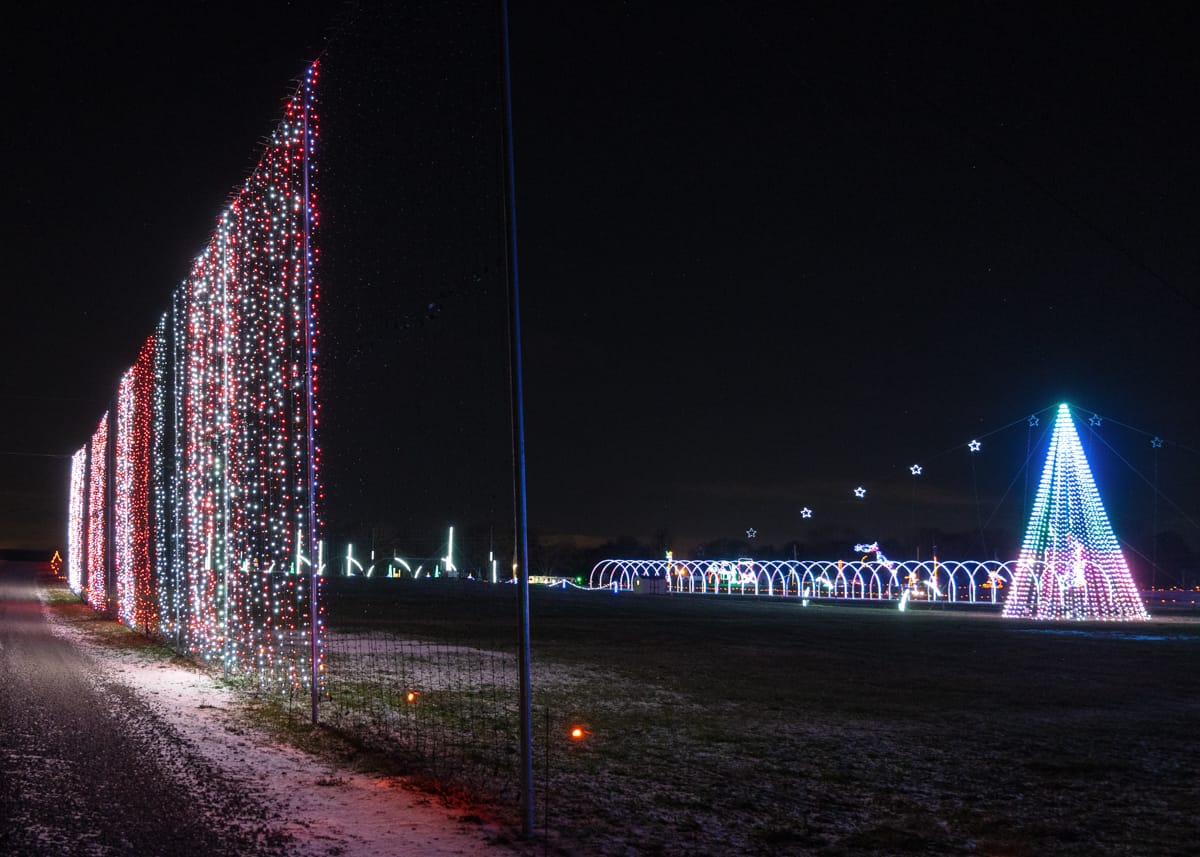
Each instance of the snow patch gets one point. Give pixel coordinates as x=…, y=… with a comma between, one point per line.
x=322, y=808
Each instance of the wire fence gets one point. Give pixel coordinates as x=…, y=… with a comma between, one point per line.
x=426, y=671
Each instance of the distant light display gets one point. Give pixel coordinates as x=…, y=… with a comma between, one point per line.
x=97, y=523
x=215, y=482
x=1071, y=565
x=76, y=520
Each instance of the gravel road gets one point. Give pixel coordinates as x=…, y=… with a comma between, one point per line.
x=87, y=768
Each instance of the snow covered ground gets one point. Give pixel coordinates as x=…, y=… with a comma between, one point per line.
x=315, y=807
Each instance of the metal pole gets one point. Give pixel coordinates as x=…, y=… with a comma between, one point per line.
x=520, y=520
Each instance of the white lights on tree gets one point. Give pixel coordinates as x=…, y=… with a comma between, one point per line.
x=1071, y=565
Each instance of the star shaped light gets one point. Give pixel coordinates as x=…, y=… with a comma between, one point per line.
x=806, y=512
x=974, y=446
x=1033, y=421
x=915, y=470
x=1094, y=420
x=1156, y=442
x=860, y=492
x=751, y=533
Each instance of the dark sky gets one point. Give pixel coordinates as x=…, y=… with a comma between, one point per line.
x=767, y=254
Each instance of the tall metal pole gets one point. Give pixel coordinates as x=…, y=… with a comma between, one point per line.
x=520, y=520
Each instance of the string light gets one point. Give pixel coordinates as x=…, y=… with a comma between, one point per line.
x=1071, y=565
x=215, y=483
x=76, y=521
x=95, y=586
x=136, y=596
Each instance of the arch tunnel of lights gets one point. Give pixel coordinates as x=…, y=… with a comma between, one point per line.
x=973, y=582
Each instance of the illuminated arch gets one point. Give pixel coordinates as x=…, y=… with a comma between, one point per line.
x=967, y=581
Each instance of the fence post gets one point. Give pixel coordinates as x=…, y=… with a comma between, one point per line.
x=520, y=521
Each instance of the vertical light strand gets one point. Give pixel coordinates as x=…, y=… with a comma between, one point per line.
x=76, y=520
x=161, y=525
x=123, y=513
x=135, y=596
x=97, y=540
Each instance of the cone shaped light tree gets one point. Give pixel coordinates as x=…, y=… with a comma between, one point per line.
x=1071, y=565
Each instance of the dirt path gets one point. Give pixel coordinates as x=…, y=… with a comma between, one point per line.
x=109, y=752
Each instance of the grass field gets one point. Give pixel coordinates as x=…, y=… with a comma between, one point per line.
x=739, y=726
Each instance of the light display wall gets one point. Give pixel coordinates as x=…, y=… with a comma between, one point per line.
x=214, y=480
x=76, y=520
x=95, y=589
x=1071, y=565
x=132, y=521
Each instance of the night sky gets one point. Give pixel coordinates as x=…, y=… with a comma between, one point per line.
x=767, y=255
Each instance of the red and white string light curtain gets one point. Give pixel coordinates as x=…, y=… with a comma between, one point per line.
x=77, y=504
x=95, y=590
x=214, y=478
x=136, y=597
